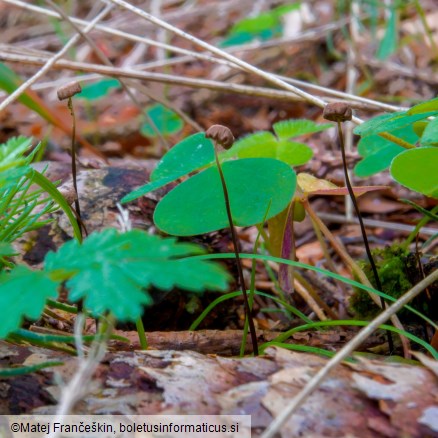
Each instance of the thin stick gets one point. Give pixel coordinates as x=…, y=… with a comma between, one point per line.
x=189, y=54
x=221, y=53
x=49, y=64
x=158, y=77
x=320, y=31
x=78, y=385
x=106, y=29
x=357, y=102
x=309, y=299
x=316, y=380
x=153, y=77
x=356, y=208
x=327, y=256
x=337, y=218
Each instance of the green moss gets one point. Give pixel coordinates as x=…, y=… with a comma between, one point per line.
x=393, y=265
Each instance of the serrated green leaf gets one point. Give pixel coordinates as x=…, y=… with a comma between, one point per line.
x=99, y=89
x=111, y=270
x=23, y=293
x=166, y=121
x=288, y=129
x=188, y=155
x=417, y=170
x=197, y=205
x=430, y=134
x=424, y=107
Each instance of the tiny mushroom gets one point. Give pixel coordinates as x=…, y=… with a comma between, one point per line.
x=69, y=90
x=221, y=135
x=337, y=112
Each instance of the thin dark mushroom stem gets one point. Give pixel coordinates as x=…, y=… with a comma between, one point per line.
x=221, y=135
x=236, y=245
x=362, y=227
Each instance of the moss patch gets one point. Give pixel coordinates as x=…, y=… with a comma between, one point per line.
x=393, y=265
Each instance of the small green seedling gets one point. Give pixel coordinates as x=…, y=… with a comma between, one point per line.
x=390, y=141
